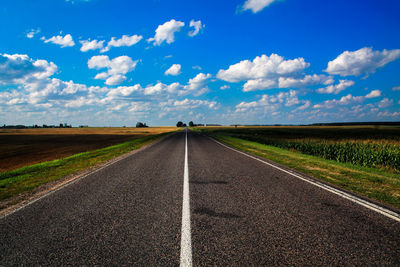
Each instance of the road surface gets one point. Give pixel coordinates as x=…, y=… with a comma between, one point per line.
x=240, y=212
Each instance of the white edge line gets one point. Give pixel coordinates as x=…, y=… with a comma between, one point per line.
x=388, y=213
x=76, y=180
x=186, y=240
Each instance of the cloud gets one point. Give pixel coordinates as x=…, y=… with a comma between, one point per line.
x=224, y=87
x=76, y=103
x=347, y=100
x=362, y=61
x=396, y=88
x=195, y=86
x=388, y=114
x=174, y=70
x=286, y=82
x=139, y=106
x=166, y=32
x=259, y=84
x=160, y=88
x=256, y=5
x=266, y=72
x=124, y=90
x=384, y=103
x=336, y=88
x=115, y=79
x=56, y=99
x=117, y=68
x=262, y=67
x=74, y=1
x=197, y=27
x=62, y=41
x=192, y=103
x=32, y=33
x=271, y=103
x=306, y=105
x=91, y=45
x=374, y=93
x=308, y=80
x=125, y=40
x=18, y=68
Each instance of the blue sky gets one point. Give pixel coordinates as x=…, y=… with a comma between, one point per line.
x=113, y=63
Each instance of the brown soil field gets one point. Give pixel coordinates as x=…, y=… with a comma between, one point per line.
x=23, y=147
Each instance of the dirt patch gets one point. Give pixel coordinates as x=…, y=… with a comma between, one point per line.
x=19, y=148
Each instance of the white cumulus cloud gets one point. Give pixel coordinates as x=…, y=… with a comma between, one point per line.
x=115, y=79
x=286, y=82
x=194, y=103
x=374, y=93
x=336, y=88
x=174, y=70
x=91, y=45
x=362, y=61
x=347, y=100
x=259, y=84
x=197, y=25
x=195, y=86
x=32, y=33
x=19, y=68
x=271, y=103
x=386, y=102
x=60, y=40
x=166, y=32
x=117, y=68
x=262, y=67
x=125, y=40
x=256, y=5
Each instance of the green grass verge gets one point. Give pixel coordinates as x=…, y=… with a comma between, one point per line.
x=374, y=183
x=25, y=179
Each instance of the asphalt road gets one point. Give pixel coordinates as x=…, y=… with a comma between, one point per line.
x=242, y=212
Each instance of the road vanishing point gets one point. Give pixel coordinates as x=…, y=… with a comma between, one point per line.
x=188, y=200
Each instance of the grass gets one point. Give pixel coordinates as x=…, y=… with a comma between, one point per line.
x=24, y=180
x=380, y=184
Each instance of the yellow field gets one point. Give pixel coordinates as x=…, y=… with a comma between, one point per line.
x=89, y=130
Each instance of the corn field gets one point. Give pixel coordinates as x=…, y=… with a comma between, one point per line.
x=369, y=147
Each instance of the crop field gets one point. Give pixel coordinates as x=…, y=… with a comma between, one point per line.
x=23, y=147
x=368, y=146
x=361, y=159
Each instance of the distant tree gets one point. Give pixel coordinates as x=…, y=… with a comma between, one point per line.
x=61, y=125
x=141, y=125
x=179, y=124
x=184, y=125
x=191, y=124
